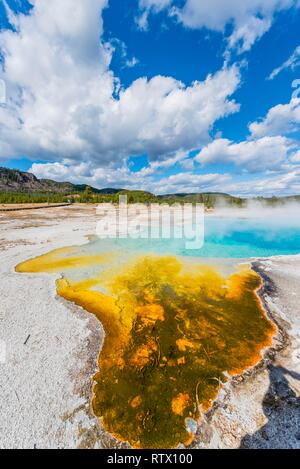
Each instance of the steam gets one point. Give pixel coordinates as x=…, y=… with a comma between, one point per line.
x=286, y=214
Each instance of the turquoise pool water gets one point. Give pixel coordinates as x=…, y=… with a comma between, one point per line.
x=224, y=238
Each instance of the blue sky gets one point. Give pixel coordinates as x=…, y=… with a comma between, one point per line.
x=162, y=95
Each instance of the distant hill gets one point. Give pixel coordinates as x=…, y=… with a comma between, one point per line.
x=109, y=191
x=12, y=180
x=21, y=187
x=193, y=194
x=210, y=199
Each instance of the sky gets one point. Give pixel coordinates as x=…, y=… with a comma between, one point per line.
x=167, y=96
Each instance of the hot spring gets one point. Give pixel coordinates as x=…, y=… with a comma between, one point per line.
x=176, y=326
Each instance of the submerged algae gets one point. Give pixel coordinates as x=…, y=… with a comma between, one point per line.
x=172, y=331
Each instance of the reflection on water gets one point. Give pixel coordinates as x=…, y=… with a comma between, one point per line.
x=172, y=329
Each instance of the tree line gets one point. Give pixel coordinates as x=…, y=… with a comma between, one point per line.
x=133, y=197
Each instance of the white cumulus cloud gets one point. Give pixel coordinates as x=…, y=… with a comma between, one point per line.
x=280, y=120
x=191, y=183
x=123, y=178
x=284, y=184
x=265, y=154
x=63, y=100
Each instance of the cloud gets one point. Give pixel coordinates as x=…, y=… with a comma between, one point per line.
x=99, y=177
x=254, y=156
x=66, y=107
x=130, y=63
x=86, y=173
x=64, y=100
x=190, y=183
x=147, y=7
x=179, y=158
x=75, y=113
x=123, y=178
x=292, y=62
x=296, y=157
x=250, y=19
x=162, y=115
x=62, y=171
x=54, y=66
x=245, y=35
x=119, y=47
x=287, y=183
x=282, y=119
x=142, y=21
x=156, y=5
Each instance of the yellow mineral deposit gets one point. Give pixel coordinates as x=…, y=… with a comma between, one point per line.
x=60, y=259
x=171, y=332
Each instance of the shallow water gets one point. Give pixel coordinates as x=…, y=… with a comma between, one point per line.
x=225, y=237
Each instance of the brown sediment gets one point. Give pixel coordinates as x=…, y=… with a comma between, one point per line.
x=172, y=331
